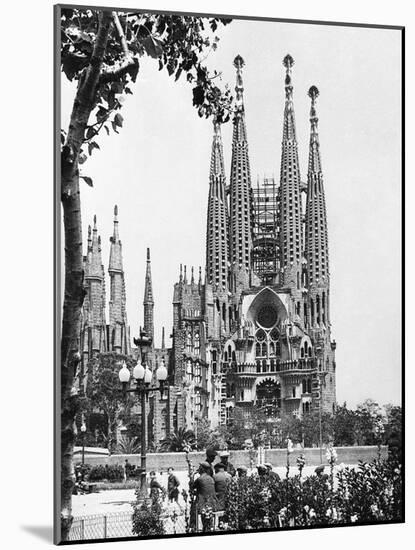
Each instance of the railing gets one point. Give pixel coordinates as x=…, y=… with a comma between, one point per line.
x=118, y=524
x=273, y=366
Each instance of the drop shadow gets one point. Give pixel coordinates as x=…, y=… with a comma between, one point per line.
x=43, y=532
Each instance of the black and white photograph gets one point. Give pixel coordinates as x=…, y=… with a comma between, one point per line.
x=228, y=251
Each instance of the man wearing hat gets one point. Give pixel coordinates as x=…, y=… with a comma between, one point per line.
x=229, y=467
x=204, y=487
x=210, y=458
x=271, y=474
x=222, y=480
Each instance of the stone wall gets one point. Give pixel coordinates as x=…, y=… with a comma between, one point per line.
x=277, y=457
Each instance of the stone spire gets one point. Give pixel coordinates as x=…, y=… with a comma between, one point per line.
x=291, y=236
x=148, y=301
x=316, y=239
x=118, y=327
x=115, y=263
x=217, y=217
x=240, y=190
x=95, y=290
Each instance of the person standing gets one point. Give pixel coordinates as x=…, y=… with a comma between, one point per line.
x=156, y=490
x=228, y=466
x=172, y=486
x=222, y=480
x=271, y=474
x=204, y=487
x=206, y=501
x=210, y=458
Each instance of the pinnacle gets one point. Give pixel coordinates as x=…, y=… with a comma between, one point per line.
x=239, y=62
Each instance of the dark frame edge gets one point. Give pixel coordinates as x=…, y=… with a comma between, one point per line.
x=57, y=272
x=403, y=327
x=233, y=16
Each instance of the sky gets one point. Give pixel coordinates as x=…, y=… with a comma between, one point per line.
x=157, y=172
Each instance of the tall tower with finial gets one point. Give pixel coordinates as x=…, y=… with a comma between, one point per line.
x=240, y=192
x=317, y=255
x=316, y=241
x=96, y=288
x=149, y=302
x=119, y=340
x=217, y=252
x=291, y=237
x=93, y=332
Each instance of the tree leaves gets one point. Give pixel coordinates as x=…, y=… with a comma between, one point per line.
x=87, y=180
x=153, y=46
x=91, y=146
x=180, y=44
x=118, y=119
x=198, y=95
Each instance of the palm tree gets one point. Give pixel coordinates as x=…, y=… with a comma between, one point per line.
x=128, y=446
x=178, y=441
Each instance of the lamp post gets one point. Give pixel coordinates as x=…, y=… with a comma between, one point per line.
x=83, y=430
x=143, y=377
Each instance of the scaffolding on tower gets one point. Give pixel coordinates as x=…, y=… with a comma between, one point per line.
x=265, y=254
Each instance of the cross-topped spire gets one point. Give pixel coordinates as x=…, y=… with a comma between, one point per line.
x=313, y=93
x=288, y=62
x=148, y=300
x=240, y=229
x=239, y=88
x=289, y=119
x=314, y=161
x=117, y=305
x=217, y=215
x=148, y=290
x=115, y=249
x=316, y=245
x=290, y=189
x=217, y=167
x=115, y=234
x=95, y=261
x=89, y=238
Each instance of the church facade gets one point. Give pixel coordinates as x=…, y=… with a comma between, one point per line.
x=257, y=332
x=253, y=331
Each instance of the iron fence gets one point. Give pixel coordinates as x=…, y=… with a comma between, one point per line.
x=119, y=524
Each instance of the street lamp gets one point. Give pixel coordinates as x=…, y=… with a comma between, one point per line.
x=83, y=430
x=143, y=377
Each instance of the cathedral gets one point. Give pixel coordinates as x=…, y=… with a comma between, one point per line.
x=253, y=331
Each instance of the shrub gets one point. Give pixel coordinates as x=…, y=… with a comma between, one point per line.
x=371, y=493
x=114, y=472
x=146, y=517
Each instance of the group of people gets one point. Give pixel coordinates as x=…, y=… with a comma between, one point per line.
x=211, y=485
x=157, y=491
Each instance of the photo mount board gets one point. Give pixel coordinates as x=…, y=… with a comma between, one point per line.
x=261, y=269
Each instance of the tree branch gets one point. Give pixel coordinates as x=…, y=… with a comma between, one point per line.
x=109, y=73
x=120, y=34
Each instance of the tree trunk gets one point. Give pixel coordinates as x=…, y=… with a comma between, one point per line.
x=74, y=294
